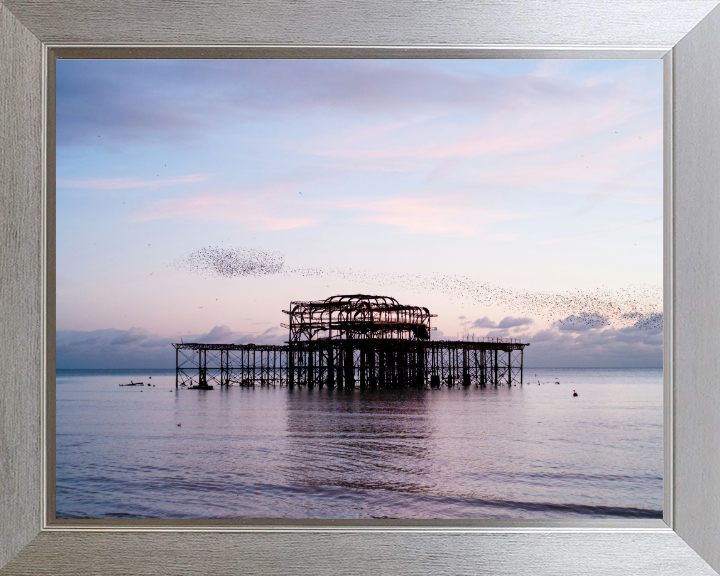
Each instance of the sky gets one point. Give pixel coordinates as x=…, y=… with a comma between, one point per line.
x=513, y=198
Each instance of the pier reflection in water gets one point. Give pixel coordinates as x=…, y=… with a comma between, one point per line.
x=368, y=442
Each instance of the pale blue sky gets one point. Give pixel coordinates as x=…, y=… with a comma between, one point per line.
x=536, y=175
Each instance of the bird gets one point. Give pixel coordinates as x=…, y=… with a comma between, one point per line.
x=635, y=306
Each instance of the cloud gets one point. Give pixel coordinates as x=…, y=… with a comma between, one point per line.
x=483, y=322
x=557, y=346
x=239, y=208
x=438, y=335
x=145, y=100
x=446, y=214
x=101, y=102
x=594, y=347
x=223, y=334
x=139, y=348
x=525, y=124
x=505, y=323
x=584, y=340
x=499, y=333
x=274, y=206
x=129, y=337
x=510, y=322
x=126, y=183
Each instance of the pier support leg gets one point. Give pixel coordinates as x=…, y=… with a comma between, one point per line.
x=310, y=369
x=291, y=368
x=466, y=374
x=339, y=369
x=496, y=367
x=331, y=366
x=510, y=367
x=350, y=368
x=363, y=355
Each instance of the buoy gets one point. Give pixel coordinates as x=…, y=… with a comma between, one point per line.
x=575, y=393
x=179, y=424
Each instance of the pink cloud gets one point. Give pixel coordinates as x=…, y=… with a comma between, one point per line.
x=590, y=168
x=513, y=129
x=217, y=207
x=611, y=170
x=449, y=214
x=127, y=183
x=256, y=208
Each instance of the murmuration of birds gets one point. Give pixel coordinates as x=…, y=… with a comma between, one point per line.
x=639, y=306
x=231, y=262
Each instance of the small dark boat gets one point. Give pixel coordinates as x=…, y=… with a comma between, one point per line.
x=200, y=388
x=132, y=384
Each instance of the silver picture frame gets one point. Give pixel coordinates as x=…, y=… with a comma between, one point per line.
x=685, y=33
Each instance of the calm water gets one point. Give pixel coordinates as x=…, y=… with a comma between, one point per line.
x=529, y=451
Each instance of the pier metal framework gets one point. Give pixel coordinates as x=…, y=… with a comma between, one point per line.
x=357, y=317
x=356, y=341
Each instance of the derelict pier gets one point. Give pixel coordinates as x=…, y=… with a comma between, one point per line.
x=349, y=342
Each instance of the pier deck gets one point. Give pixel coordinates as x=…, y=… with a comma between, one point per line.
x=364, y=363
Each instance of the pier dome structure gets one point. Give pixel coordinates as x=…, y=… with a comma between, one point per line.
x=357, y=317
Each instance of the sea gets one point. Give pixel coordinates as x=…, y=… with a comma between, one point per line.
x=530, y=451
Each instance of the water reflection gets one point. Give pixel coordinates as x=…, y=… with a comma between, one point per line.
x=359, y=439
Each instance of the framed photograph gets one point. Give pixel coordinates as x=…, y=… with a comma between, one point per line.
x=363, y=265
x=390, y=343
